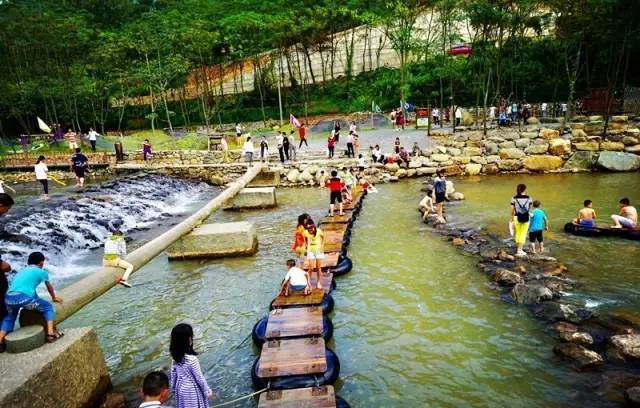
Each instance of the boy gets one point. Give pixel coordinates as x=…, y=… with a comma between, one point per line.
x=537, y=223
x=79, y=163
x=586, y=216
x=439, y=194
x=114, y=249
x=296, y=280
x=628, y=216
x=335, y=188
x=155, y=390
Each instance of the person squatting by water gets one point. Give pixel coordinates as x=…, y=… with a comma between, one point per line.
x=42, y=176
x=519, y=213
x=79, y=163
x=22, y=295
x=296, y=280
x=115, y=248
x=187, y=383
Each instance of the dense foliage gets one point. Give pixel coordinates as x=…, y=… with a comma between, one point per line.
x=70, y=61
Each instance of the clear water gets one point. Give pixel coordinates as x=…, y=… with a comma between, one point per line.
x=415, y=324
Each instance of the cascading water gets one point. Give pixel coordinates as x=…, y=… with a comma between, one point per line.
x=68, y=229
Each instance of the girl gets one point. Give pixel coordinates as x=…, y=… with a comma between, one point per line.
x=314, y=239
x=146, y=150
x=519, y=211
x=331, y=144
x=299, y=244
x=42, y=176
x=187, y=383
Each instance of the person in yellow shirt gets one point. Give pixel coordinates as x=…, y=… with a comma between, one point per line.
x=314, y=239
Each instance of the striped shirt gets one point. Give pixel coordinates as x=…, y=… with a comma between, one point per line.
x=188, y=384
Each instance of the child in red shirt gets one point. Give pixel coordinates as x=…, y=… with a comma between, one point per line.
x=335, y=187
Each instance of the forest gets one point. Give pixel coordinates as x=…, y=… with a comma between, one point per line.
x=84, y=63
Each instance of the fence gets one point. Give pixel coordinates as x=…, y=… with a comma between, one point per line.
x=28, y=160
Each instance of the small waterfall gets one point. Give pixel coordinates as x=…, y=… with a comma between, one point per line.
x=67, y=229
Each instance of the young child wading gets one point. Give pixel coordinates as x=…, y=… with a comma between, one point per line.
x=114, y=249
x=537, y=223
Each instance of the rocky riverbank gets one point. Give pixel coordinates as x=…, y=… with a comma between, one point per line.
x=606, y=344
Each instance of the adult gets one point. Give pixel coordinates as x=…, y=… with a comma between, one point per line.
x=356, y=145
x=79, y=164
x=435, y=115
x=439, y=192
x=492, y=114
x=58, y=133
x=627, y=217
x=93, y=138
x=42, y=176
x=543, y=109
x=6, y=202
x=285, y=145
x=336, y=131
x=71, y=139
x=264, y=149
x=146, y=150
x=247, y=150
x=22, y=295
x=514, y=112
x=403, y=157
x=280, y=145
x=292, y=145
x=302, y=133
x=350, y=150
x=377, y=155
x=353, y=128
x=519, y=212
x=331, y=145
x=392, y=117
x=458, y=115
x=238, y=133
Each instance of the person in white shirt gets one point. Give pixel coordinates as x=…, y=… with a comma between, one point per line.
x=492, y=114
x=435, y=114
x=296, y=280
x=292, y=145
x=42, y=176
x=543, y=108
x=247, y=150
x=458, y=115
x=115, y=248
x=2, y=186
x=353, y=128
x=361, y=161
x=93, y=137
x=377, y=155
x=155, y=390
x=238, y=132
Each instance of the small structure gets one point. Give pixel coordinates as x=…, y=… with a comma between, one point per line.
x=253, y=198
x=320, y=397
x=266, y=178
x=216, y=241
x=25, y=339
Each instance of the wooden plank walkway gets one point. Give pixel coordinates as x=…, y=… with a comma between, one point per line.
x=294, y=322
x=340, y=219
x=333, y=241
x=316, y=397
x=325, y=279
x=298, y=299
x=330, y=261
x=292, y=357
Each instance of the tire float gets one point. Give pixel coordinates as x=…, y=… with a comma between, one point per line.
x=326, y=305
x=600, y=231
x=299, y=381
x=341, y=403
x=344, y=266
x=259, y=332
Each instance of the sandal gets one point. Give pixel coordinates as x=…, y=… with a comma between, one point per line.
x=54, y=337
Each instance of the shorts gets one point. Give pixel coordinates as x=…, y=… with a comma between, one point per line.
x=587, y=223
x=73, y=145
x=297, y=288
x=312, y=256
x=440, y=198
x=336, y=197
x=79, y=171
x=535, y=236
x=625, y=222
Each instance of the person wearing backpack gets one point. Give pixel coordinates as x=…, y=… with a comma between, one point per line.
x=519, y=210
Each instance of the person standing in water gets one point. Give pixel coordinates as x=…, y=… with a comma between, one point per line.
x=146, y=150
x=42, y=176
x=79, y=164
x=439, y=193
x=519, y=212
x=537, y=225
x=314, y=239
x=187, y=383
x=115, y=248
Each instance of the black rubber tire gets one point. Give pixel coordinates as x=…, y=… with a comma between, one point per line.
x=299, y=381
x=258, y=334
x=327, y=304
x=346, y=240
x=341, y=403
x=344, y=266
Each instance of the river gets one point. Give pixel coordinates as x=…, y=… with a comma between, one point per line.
x=415, y=323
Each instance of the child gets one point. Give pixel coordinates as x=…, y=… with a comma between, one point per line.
x=587, y=215
x=42, y=176
x=114, y=249
x=335, y=187
x=322, y=179
x=439, y=194
x=299, y=244
x=146, y=150
x=22, y=294
x=188, y=385
x=537, y=223
x=296, y=280
x=155, y=390
x=314, y=239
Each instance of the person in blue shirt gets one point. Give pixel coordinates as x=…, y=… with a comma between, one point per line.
x=22, y=294
x=537, y=223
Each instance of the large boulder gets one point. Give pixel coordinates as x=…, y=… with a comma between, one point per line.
x=507, y=145
x=537, y=149
x=581, y=356
x=490, y=148
x=473, y=151
x=392, y=167
x=523, y=143
x=590, y=146
x=511, y=153
x=542, y=163
x=440, y=157
x=620, y=119
x=559, y=147
x=618, y=161
x=633, y=149
x=630, y=140
x=473, y=169
x=509, y=164
x=554, y=311
x=632, y=396
x=624, y=347
x=528, y=294
x=612, y=146
x=292, y=175
x=506, y=277
x=549, y=133
x=305, y=176
x=583, y=160
x=532, y=120
x=578, y=134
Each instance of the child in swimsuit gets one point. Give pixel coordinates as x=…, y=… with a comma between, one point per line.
x=586, y=215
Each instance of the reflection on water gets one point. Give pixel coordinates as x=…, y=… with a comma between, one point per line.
x=415, y=324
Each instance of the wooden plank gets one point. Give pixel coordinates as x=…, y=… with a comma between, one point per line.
x=330, y=261
x=335, y=247
x=333, y=241
x=294, y=322
x=316, y=397
x=342, y=228
x=298, y=299
x=292, y=357
x=339, y=219
x=325, y=279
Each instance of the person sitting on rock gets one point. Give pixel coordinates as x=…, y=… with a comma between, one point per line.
x=415, y=152
x=628, y=216
x=22, y=294
x=403, y=157
x=586, y=215
x=296, y=280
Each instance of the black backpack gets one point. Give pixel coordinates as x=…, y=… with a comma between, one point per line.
x=522, y=212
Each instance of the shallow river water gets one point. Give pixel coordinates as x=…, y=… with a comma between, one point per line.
x=415, y=323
